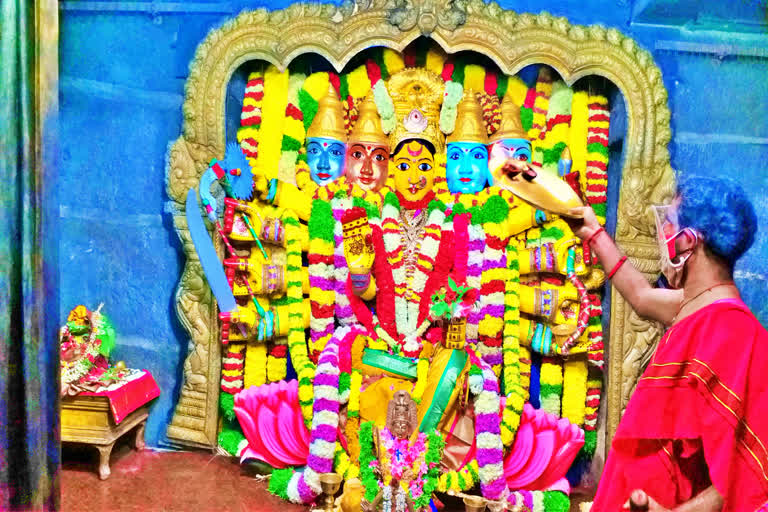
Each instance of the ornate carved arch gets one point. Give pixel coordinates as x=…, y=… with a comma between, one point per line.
x=513, y=41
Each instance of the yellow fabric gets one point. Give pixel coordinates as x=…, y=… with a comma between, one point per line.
x=375, y=398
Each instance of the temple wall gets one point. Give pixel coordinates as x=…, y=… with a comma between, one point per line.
x=122, y=74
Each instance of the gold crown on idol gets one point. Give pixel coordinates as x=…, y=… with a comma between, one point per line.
x=470, y=126
x=511, y=127
x=417, y=95
x=368, y=125
x=329, y=120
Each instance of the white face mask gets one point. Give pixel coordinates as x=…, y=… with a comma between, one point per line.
x=667, y=231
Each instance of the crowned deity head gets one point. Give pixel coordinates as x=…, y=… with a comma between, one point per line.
x=326, y=149
x=402, y=416
x=368, y=149
x=466, y=168
x=510, y=142
x=417, y=95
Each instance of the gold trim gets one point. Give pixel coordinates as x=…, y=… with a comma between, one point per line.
x=513, y=41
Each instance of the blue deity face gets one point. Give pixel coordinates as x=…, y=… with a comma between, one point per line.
x=466, y=169
x=325, y=157
x=507, y=149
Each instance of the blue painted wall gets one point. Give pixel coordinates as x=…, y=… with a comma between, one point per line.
x=123, y=68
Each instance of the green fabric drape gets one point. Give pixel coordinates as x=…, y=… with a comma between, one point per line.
x=29, y=415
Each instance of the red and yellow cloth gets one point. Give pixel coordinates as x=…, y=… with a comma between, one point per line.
x=697, y=416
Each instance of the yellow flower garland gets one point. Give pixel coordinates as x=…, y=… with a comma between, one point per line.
x=578, y=136
x=575, y=389
x=422, y=368
x=255, y=365
x=273, y=116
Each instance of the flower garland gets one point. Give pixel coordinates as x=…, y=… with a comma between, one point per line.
x=255, y=364
x=597, y=155
x=277, y=360
x=98, y=343
x=320, y=260
x=511, y=384
x=408, y=286
x=551, y=385
x=422, y=368
x=460, y=480
x=490, y=449
x=352, y=428
x=232, y=368
x=293, y=129
x=312, y=89
x=474, y=275
x=451, y=98
x=575, y=389
x=540, y=107
x=297, y=346
x=368, y=462
x=250, y=118
x=273, y=115
x=556, y=134
x=517, y=89
x=398, y=455
x=492, y=287
x=577, y=143
x=340, y=203
x=491, y=112
x=539, y=501
x=305, y=487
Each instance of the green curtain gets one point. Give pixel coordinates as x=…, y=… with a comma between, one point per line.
x=29, y=382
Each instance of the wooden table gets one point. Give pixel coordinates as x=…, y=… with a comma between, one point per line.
x=89, y=420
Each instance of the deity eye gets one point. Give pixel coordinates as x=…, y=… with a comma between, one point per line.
x=336, y=152
x=378, y=157
x=403, y=166
x=424, y=167
x=313, y=150
x=455, y=155
x=357, y=155
x=480, y=155
x=522, y=157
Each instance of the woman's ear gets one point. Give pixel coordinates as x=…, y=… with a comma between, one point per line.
x=686, y=241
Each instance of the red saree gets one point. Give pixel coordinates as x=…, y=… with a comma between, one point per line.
x=698, y=405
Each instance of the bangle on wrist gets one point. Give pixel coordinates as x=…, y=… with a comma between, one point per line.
x=617, y=266
x=599, y=230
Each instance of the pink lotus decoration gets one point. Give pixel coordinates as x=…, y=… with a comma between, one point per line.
x=272, y=422
x=544, y=449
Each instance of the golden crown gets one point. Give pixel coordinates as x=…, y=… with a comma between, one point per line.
x=470, y=126
x=511, y=127
x=368, y=125
x=329, y=120
x=417, y=95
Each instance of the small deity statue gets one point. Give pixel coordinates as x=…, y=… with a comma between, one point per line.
x=397, y=456
x=466, y=169
x=368, y=149
x=325, y=140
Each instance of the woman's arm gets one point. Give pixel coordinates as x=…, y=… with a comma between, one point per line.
x=653, y=303
x=708, y=500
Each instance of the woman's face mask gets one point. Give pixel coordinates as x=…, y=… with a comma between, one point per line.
x=667, y=232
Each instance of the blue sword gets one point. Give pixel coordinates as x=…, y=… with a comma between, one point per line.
x=208, y=257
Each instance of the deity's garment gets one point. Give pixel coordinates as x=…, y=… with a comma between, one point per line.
x=414, y=173
x=467, y=167
x=325, y=157
x=367, y=165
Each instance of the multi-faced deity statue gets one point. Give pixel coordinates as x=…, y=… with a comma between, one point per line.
x=326, y=148
x=414, y=169
x=368, y=149
x=466, y=167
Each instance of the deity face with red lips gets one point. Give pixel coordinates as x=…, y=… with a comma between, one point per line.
x=367, y=165
x=414, y=169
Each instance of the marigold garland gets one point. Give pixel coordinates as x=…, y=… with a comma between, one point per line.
x=540, y=108
x=556, y=132
x=511, y=384
x=422, y=368
x=250, y=118
x=255, y=365
x=232, y=368
x=575, y=389
x=577, y=143
x=273, y=116
x=551, y=385
x=293, y=129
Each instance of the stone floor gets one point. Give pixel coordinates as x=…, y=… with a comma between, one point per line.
x=195, y=481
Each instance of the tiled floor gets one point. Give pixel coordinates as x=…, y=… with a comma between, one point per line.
x=166, y=481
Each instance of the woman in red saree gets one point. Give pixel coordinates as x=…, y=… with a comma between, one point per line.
x=694, y=435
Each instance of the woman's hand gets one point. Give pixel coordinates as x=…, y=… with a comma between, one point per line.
x=586, y=224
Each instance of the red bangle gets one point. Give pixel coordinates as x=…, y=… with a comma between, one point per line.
x=616, y=267
x=593, y=235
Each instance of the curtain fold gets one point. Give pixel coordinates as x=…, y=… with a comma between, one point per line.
x=29, y=381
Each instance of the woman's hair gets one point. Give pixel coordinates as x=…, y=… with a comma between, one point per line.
x=720, y=210
x=430, y=147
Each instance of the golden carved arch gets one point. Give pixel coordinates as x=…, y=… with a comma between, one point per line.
x=513, y=41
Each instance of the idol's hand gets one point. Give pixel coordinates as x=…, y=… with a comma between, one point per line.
x=586, y=225
x=562, y=248
x=366, y=506
x=358, y=245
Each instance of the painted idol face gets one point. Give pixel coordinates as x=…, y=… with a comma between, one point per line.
x=367, y=165
x=507, y=149
x=414, y=170
x=467, y=167
x=325, y=157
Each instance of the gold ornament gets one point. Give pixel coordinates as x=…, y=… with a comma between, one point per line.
x=470, y=126
x=329, y=120
x=511, y=126
x=368, y=125
x=417, y=95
